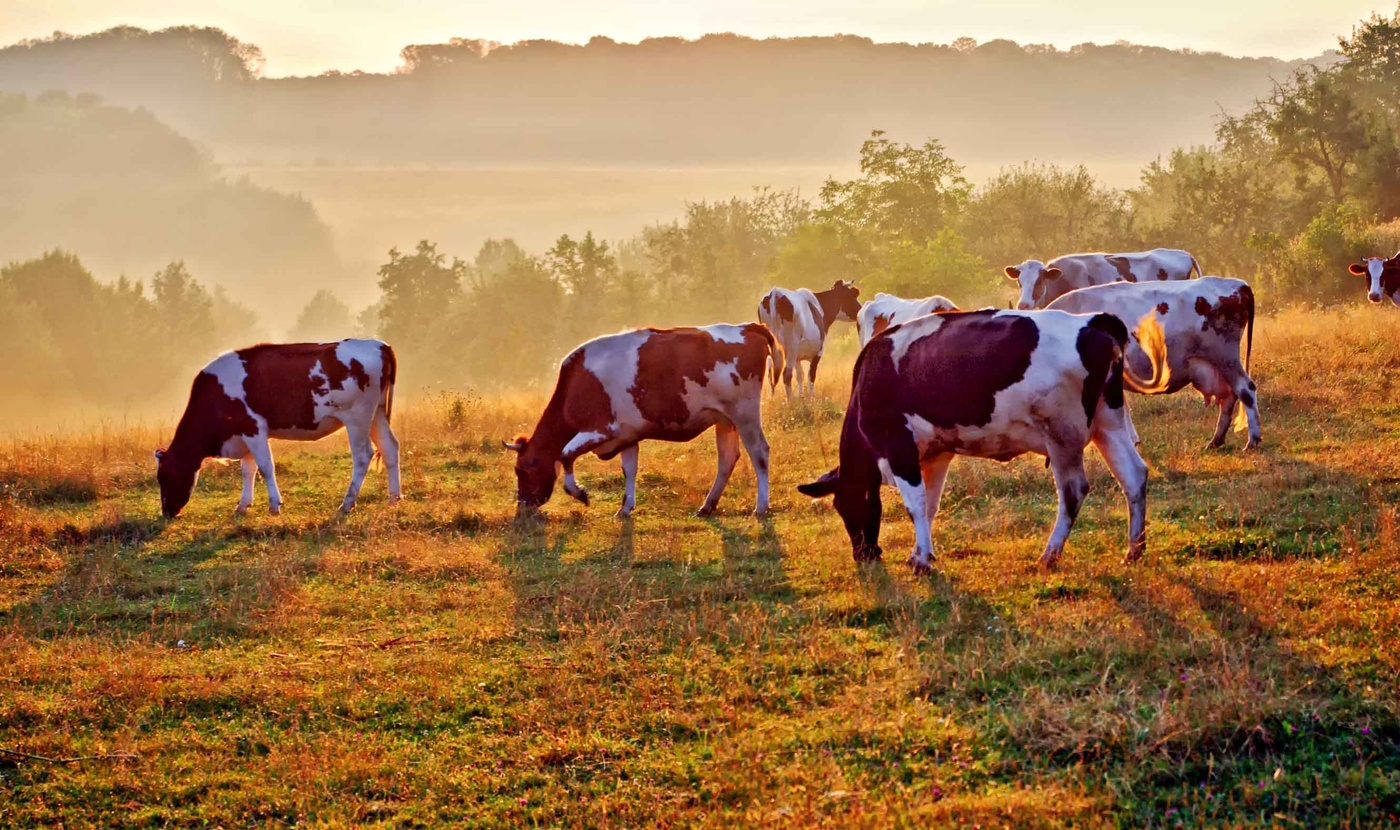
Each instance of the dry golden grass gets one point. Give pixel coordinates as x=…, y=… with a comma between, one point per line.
x=441, y=663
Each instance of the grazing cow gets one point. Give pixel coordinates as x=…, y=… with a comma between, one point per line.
x=800, y=320
x=1042, y=282
x=1383, y=274
x=1202, y=322
x=991, y=384
x=294, y=391
x=669, y=384
x=886, y=310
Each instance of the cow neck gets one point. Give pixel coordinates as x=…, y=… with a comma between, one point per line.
x=550, y=434
x=831, y=307
x=196, y=435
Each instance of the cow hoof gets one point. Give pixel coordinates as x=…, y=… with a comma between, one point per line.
x=275, y=510
x=760, y=512
x=705, y=511
x=623, y=513
x=868, y=553
x=1214, y=445
x=1253, y=443
x=920, y=566
x=1050, y=560
x=240, y=510
x=393, y=500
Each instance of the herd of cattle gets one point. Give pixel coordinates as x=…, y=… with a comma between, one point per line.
x=931, y=382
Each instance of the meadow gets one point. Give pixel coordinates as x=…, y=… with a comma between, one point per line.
x=440, y=662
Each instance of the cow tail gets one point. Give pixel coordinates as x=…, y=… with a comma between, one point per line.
x=1153, y=343
x=775, y=357
x=1241, y=419
x=388, y=378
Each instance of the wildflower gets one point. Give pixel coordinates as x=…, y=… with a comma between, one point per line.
x=1365, y=730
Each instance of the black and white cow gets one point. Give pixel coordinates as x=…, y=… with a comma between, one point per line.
x=1042, y=282
x=1383, y=276
x=1203, y=322
x=665, y=384
x=990, y=384
x=293, y=391
x=886, y=310
x=800, y=320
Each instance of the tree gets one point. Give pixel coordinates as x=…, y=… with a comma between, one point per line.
x=324, y=318
x=1040, y=210
x=417, y=288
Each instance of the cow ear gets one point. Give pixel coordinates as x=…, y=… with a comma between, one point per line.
x=1357, y=268
x=1013, y=273
x=160, y=453
x=824, y=486
x=519, y=444
x=1051, y=273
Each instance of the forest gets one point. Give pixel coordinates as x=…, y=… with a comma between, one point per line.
x=1297, y=184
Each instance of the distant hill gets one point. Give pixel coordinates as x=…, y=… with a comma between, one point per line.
x=719, y=100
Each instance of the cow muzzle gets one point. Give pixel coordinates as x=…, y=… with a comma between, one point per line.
x=1024, y=307
x=1375, y=298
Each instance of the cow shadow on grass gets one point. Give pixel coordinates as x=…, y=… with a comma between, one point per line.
x=121, y=578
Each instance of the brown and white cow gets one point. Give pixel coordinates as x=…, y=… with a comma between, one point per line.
x=293, y=391
x=1383, y=277
x=668, y=384
x=800, y=320
x=887, y=310
x=1203, y=322
x=990, y=384
x=1042, y=282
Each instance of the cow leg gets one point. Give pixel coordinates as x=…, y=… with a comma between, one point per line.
x=756, y=445
x=388, y=445
x=1067, y=464
x=935, y=474
x=361, y=453
x=910, y=483
x=628, y=457
x=583, y=442
x=1113, y=436
x=250, y=471
x=727, y=447
x=262, y=456
x=1222, y=424
x=788, y=367
x=1248, y=394
x=812, y=375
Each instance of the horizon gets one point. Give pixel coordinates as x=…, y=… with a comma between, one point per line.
x=370, y=38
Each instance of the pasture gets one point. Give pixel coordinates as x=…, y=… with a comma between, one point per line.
x=439, y=662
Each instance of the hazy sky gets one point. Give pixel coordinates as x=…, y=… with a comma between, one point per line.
x=311, y=36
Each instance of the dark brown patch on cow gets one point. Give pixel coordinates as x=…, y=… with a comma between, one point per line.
x=881, y=322
x=840, y=297
x=1228, y=315
x=579, y=404
x=1123, y=267
x=672, y=359
x=211, y=417
x=279, y=386
x=785, y=309
x=765, y=308
x=1162, y=274
x=1163, y=308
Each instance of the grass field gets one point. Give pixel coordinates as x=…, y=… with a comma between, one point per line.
x=438, y=662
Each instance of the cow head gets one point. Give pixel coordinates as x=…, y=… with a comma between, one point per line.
x=534, y=476
x=858, y=503
x=847, y=300
x=1383, y=276
x=1033, y=275
x=176, y=478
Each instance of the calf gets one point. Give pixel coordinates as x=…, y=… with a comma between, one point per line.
x=886, y=310
x=1202, y=322
x=800, y=320
x=295, y=391
x=1041, y=282
x=990, y=384
x=670, y=384
x=1383, y=276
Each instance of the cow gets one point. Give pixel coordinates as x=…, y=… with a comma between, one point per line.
x=1042, y=282
x=800, y=320
x=1383, y=275
x=1202, y=322
x=293, y=391
x=989, y=384
x=668, y=384
x=887, y=309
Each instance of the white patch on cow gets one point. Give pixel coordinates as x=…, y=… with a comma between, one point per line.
x=235, y=447
x=1375, y=266
x=895, y=310
x=1089, y=269
x=583, y=439
x=911, y=332
x=229, y=371
x=725, y=333
x=613, y=361
x=1030, y=271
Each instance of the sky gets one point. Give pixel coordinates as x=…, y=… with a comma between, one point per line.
x=307, y=37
